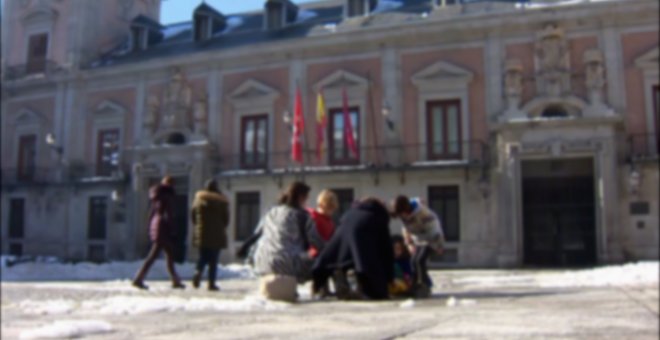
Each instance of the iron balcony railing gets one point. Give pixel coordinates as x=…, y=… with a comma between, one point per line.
x=69, y=174
x=643, y=146
x=33, y=69
x=395, y=157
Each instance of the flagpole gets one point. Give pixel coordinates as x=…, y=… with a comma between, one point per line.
x=305, y=135
x=374, y=127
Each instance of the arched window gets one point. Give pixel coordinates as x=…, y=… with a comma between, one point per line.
x=554, y=111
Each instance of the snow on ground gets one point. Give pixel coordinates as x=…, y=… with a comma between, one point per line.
x=140, y=305
x=640, y=273
x=68, y=329
x=49, y=307
x=51, y=270
x=132, y=305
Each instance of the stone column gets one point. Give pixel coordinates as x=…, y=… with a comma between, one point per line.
x=392, y=96
x=214, y=116
x=616, y=94
x=507, y=185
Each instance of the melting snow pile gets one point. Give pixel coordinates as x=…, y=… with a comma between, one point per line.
x=68, y=329
x=50, y=270
x=132, y=305
x=641, y=273
x=137, y=305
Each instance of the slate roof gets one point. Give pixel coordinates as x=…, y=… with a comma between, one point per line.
x=318, y=18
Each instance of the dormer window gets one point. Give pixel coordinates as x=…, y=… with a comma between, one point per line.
x=144, y=33
x=358, y=8
x=139, y=39
x=202, y=28
x=207, y=22
x=279, y=13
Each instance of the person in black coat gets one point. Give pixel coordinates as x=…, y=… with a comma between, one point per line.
x=361, y=242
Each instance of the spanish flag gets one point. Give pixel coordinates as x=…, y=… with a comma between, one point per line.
x=321, y=123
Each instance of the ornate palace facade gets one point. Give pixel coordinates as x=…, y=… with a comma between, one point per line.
x=531, y=129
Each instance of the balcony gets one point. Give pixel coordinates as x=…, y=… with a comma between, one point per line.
x=380, y=158
x=31, y=176
x=643, y=147
x=66, y=175
x=32, y=70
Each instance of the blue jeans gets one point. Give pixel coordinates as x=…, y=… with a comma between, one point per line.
x=420, y=272
x=208, y=257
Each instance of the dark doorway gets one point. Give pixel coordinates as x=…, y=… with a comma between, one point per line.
x=559, y=213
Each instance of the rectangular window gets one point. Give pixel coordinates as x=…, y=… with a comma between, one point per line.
x=107, y=152
x=356, y=8
x=275, y=15
x=27, y=157
x=340, y=153
x=444, y=201
x=254, y=141
x=248, y=212
x=346, y=197
x=202, y=27
x=97, y=218
x=139, y=38
x=16, y=218
x=443, y=132
x=37, y=52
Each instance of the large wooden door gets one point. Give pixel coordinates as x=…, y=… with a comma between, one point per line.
x=559, y=221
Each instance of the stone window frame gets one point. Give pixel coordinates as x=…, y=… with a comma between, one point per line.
x=109, y=232
x=28, y=122
x=442, y=81
x=243, y=152
x=647, y=63
x=38, y=21
x=107, y=115
x=236, y=214
x=346, y=160
x=253, y=97
x=331, y=87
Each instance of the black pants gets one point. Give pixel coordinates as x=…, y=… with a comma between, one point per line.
x=420, y=272
x=208, y=257
x=151, y=258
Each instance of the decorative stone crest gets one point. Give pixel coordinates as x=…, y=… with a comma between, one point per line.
x=201, y=115
x=595, y=83
x=513, y=87
x=177, y=100
x=552, y=62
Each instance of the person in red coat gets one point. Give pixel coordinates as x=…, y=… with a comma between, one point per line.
x=161, y=232
x=326, y=205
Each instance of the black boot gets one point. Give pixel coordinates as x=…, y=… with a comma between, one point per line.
x=197, y=278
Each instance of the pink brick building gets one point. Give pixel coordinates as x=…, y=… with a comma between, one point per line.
x=531, y=129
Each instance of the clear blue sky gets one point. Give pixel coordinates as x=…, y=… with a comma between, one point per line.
x=181, y=10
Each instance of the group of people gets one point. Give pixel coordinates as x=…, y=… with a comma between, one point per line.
x=210, y=217
x=293, y=244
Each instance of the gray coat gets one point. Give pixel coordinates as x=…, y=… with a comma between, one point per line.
x=282, y=247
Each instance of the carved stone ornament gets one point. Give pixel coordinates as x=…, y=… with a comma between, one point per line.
x=595, y=74
x=177, y=101
x=201, y=115
x=513, y=83
x=552, y=62
x=595, y=83
x=151, y=113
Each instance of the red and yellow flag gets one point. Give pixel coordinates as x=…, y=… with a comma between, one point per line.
x=321, y=123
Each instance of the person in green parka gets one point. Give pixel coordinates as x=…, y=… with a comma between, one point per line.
x=210, y=217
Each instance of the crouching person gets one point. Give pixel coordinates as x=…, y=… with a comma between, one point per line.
x=210, y=216
x=281, y=258
x=361, y=244
x=422, y=233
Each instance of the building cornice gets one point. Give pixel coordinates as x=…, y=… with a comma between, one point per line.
x=464, y=28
